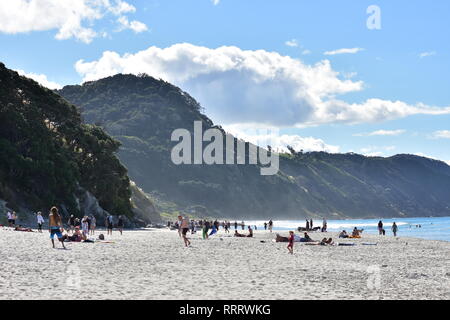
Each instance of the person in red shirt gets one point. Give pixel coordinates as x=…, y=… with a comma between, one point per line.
x=290, y=246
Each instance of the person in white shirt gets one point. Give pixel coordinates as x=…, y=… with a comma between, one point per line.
x=40, y=221
x=9, y=216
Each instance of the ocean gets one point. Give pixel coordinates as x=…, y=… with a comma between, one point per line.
x=426, y=228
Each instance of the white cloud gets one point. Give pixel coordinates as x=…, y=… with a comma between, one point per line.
x=215, y=2
x=377, y=151
x=381, y=133
x=41, y=79
x=442, y=134
x=292, y=43
x=306, y=52
x=72, y=19
x=343, y=51
x=270, y=136
x=238, y=86
x=134, y=25
x=427, y=54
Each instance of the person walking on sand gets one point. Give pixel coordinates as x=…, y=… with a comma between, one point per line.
x=184, y=227
x=380, y=227
x=55, y=226
x=93, y=225
x=265, y=226
x=270, y=225
x=40, y=221
x=235, y=225
x=243, y=225
x=109, y=224
x=120, y=224
x=394, y=229
x=307, y=225
x=290, y=246
x=205, y=230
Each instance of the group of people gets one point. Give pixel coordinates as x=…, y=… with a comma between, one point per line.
x=310, y=226
x=78, y=229
x=382, y=231
x=208, y=228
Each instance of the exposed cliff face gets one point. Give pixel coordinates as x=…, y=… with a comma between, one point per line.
x=143, y=207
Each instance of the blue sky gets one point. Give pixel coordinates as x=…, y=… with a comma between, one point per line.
x=407, y=60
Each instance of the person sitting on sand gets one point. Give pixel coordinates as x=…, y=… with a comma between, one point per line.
x=77, y=236
x=326, y=242
x=238, y=235
x=307, y=238
x=250, y=232
x=281, y=239
x=343, y=234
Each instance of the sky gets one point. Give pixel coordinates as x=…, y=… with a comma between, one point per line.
x=368, y=77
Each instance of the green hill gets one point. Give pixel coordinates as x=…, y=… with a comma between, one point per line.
x=50, y=157
x=142, y=112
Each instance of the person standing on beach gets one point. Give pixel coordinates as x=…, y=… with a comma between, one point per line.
x=235, y=225
x=311, y=224
x=307, y=225
x=85, y=227
x=13, y=219
x=394, y=229
x=243, y=225
x=184, y=227
x=109, y=224
x=120, y=224
x=270, y=225
x=265, y=226
x=71, y=223
x=324, y=225
x=290, y=246
x=40, y=221
x=55, y=226
x=93, y=225
x=10, y=220
x=380, y=227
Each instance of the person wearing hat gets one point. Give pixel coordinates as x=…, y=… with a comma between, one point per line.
x=40, y=221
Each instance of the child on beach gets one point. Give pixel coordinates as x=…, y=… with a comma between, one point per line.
x=290, y=246
x=55, y=226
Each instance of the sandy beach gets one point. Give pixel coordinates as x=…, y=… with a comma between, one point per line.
x=154, y=264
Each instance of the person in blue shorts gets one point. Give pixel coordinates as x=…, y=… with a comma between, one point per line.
x=55, y=226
